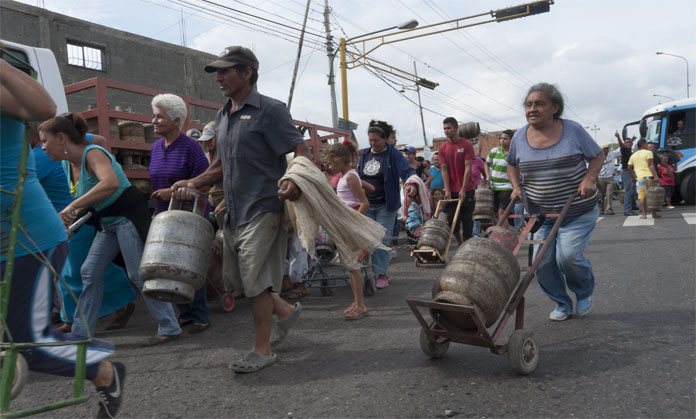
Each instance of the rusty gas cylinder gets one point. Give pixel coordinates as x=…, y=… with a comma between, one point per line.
x=484, y=206
x=435, y=235
x=131, y=131
x=656, y=197
x=482, y=273
x=176, y=253
x=469, y=130
x=506, y=236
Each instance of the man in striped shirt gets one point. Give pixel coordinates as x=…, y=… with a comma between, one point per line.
x=500, y=185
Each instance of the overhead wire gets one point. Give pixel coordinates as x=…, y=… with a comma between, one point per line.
x=451, y=101
x=236, y=21
x=464, y=50
x=336, y=15
x=478, y=44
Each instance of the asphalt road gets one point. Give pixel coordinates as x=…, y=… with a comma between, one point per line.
x=632, y=356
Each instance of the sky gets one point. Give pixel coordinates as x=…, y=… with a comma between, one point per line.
x=599, y=53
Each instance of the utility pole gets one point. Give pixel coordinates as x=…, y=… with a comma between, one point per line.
x=330, y=53
x=299, y=54
x=420, y=107
x=594, y=129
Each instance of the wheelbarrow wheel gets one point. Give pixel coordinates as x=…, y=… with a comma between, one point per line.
x=21, y=375
x=523, y=352
x=227, y=302
x=434, y=348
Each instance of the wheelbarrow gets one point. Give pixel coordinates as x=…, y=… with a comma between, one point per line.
x=521, y=348
x=433, y=245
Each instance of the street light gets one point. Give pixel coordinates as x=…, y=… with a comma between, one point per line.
x=410, y=24
x=687, y=68
x=670, y=98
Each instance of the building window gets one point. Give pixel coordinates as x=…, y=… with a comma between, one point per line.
x=85, y=56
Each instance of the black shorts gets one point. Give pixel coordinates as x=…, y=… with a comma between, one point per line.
x=501, y=199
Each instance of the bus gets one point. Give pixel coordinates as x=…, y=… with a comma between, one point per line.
x=661, y=124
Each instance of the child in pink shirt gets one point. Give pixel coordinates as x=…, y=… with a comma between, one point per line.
x=351, y=193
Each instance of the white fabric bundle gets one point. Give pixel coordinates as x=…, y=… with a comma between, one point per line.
x=318, y=205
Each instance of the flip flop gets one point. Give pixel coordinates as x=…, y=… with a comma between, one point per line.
x=159, y=339
x=355, y=314
x=252, y=362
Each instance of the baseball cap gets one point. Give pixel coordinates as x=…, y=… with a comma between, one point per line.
x=208, y=132
x=410, y=149
x=232, y=56
x=193, y=133
x=605, y=146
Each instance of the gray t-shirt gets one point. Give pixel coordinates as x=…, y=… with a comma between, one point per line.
x=553, y=173
x=252, y=143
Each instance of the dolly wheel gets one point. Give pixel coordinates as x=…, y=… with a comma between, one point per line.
x=523, y=352
x=21, y=374
x=227, y=302
x=433, y=349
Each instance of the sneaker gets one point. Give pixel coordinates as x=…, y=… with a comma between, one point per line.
x=392, y=254
x=382, y=282
x=610, y=212
x=584, y=305
x=110, y=397
x=559, y=314
x=629, y=213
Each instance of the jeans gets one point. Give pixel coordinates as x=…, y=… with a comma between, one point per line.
x=196, y=310
x=380, y=258
x=518, y=209
x=629, y=192
x=477, y=228
x=564, y=258
x=466, y=213
x=124, y=238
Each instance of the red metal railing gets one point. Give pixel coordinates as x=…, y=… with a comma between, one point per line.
x=103, y=114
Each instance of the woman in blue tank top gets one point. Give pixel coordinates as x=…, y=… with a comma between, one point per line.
x=120, y=209
x=22, y=98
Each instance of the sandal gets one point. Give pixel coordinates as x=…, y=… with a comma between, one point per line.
x=356, y=313
x=252, y=362
x=296, y=294
x=350, y=308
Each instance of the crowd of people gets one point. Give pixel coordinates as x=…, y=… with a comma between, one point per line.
x=238, y=160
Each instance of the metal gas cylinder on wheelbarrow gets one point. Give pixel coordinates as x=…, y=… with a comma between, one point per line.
x=433, y=245
x=481, y=288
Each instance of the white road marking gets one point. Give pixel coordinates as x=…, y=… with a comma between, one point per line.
x=635, y=220
x=689, y=217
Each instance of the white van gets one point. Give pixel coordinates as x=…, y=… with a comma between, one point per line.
x=45, y=64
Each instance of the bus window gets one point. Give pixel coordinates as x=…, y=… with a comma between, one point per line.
x=654, y=128
x=686, y=138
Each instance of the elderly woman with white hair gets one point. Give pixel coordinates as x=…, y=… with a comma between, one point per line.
x=174, y=157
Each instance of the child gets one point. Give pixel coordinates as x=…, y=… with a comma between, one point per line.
x=666, y=172
x=436, y=196
x=350, y=192
x=414, y=218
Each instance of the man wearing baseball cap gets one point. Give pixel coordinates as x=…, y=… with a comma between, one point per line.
x=254, y=133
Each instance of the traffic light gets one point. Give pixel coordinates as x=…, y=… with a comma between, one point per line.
x=523, y=10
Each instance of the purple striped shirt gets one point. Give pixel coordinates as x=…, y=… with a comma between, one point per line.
x=183, y=159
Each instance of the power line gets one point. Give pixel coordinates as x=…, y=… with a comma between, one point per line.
x=463, y=50
x=295, y=28
x=236, y=21
x=478, y=44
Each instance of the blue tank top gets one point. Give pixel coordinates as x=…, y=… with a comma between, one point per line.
x=88, y=181
x=39, y=218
